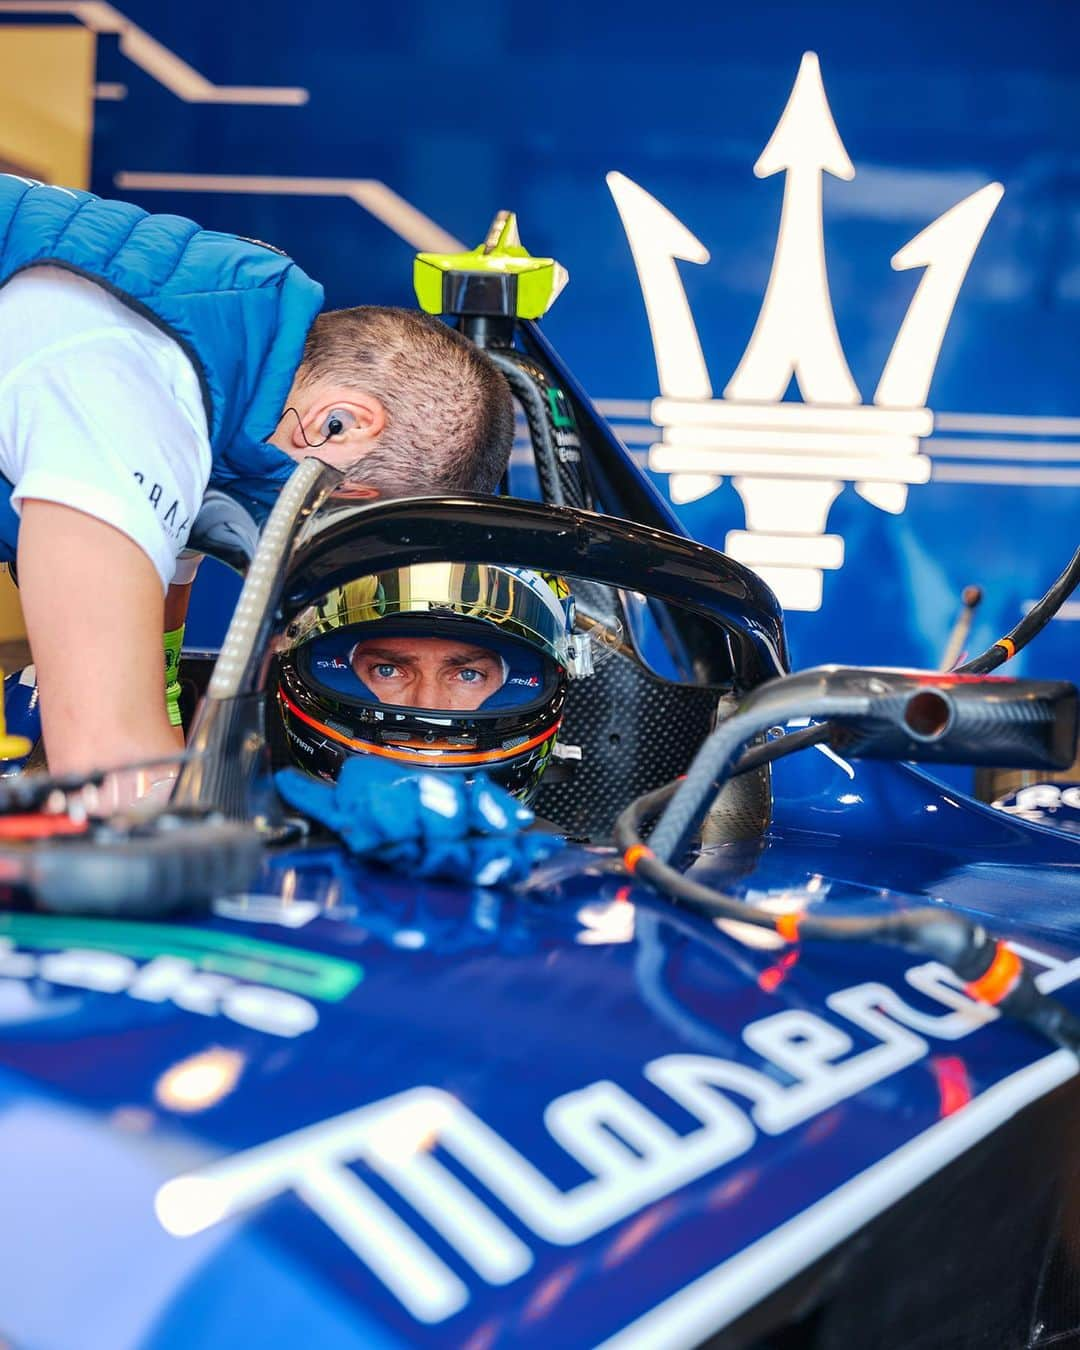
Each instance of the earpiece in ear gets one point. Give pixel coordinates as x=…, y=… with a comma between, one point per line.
x=336, y=422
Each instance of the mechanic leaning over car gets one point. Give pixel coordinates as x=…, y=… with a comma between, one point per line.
x=144, y=360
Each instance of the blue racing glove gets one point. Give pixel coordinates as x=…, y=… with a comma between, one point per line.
x=424, y=823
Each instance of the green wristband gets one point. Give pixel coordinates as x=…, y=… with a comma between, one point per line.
x=173, y=642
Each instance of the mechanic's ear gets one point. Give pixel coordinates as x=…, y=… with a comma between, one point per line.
x=336, y=423
x=340, y=431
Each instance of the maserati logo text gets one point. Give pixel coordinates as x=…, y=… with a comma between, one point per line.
x=630, y=1155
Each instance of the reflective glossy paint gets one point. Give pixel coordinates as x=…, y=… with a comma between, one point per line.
x=353, y=1110
x=357, y=1109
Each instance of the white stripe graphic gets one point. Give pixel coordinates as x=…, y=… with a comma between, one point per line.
x=991, y=475
x=871, y=468
x=716, y=1299
x=1020, y=475
x=1020, y=426
x=624, y=407
x=950, y=448
x=989, y=423
x=816, y=417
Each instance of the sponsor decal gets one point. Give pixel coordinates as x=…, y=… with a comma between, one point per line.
x=631, y=1156
x=268, y=986
x=171, y=517
x=564, y=429
x=560, y=587
x=1053, y=804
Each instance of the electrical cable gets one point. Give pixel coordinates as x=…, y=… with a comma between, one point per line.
x=781, y=747
x=992, y=972
x=1033, y=622
x=970, y=599
x=772, y=704
x=334, y=427
x=650, y=802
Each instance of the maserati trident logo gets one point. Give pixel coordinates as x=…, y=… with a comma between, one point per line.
x=788, y=461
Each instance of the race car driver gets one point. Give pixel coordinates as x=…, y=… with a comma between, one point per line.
x=144, y=360
x=457, y=668
x=440, y=666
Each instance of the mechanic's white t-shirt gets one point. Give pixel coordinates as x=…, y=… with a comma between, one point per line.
x=100, y=410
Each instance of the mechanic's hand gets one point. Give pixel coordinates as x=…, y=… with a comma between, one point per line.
x=421, y=822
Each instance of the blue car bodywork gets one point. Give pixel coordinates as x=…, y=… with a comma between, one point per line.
x=347, y=1109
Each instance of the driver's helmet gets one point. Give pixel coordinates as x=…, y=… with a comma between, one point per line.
x=487, y=694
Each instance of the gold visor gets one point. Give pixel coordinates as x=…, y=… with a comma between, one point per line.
x=519, y=603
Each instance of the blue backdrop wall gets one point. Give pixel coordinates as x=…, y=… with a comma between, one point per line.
x=434, y=116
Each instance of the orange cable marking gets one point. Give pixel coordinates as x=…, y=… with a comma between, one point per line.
x=787, y=925
x=1000, y=980
x=1008, y=645
x=634, y=855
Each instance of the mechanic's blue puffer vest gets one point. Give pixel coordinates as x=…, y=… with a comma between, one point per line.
x=240, y=310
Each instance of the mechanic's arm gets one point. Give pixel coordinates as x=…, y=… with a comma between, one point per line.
x=92, y=600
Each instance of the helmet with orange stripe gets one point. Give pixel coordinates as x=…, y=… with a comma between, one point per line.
x=456, y=666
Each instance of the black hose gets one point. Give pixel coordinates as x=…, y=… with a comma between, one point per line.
x=769, y=705
x=647, y=805
x=781, y=747
x=1033, y=622
x=992, y=972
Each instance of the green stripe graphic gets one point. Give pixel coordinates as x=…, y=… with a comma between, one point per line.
x=310, y=974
